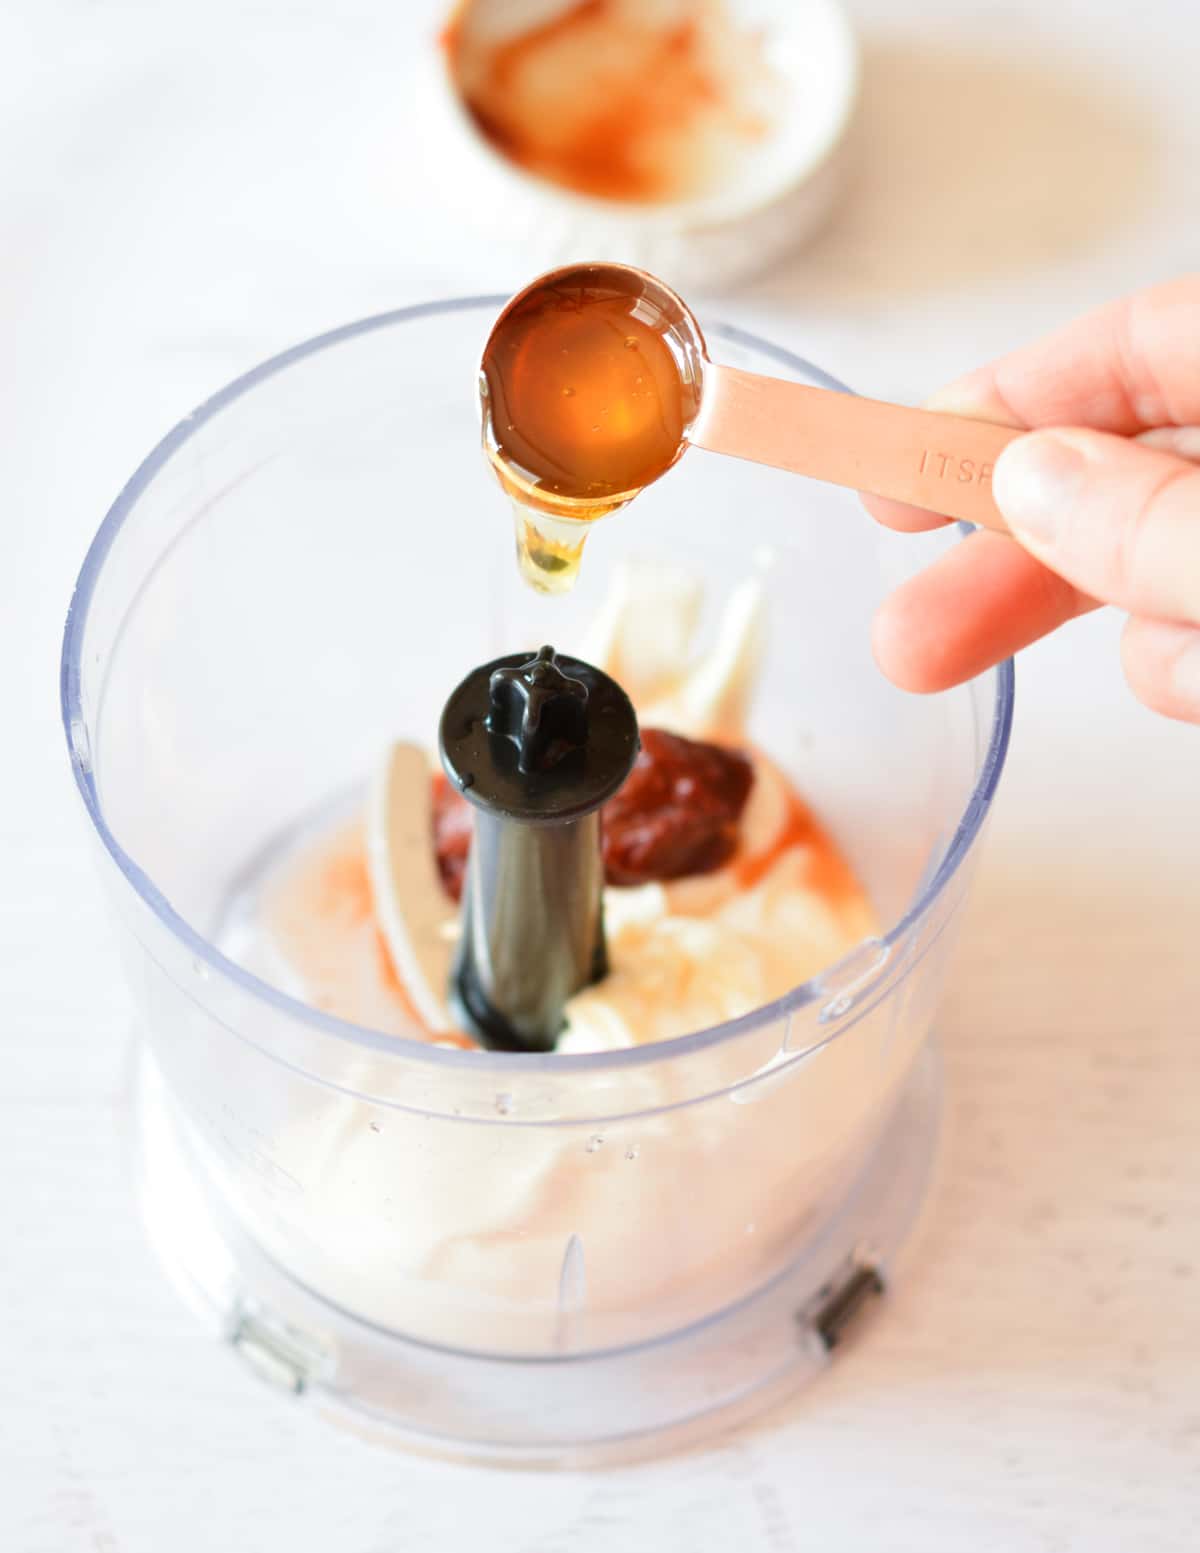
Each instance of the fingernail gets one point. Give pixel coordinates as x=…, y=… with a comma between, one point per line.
x=1183, y=441
x=1036, y=479
x=1185, y=672
x=971, y=395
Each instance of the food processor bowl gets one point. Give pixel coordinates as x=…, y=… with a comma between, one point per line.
x=520, y=1257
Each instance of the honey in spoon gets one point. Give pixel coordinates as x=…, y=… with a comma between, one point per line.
x=589, y=383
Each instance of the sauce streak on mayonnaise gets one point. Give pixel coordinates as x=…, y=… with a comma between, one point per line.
x=829, y=872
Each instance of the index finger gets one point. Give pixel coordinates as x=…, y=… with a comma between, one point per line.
x=1127, y=367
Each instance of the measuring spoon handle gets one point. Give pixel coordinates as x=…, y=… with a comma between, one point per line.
x=942, y=462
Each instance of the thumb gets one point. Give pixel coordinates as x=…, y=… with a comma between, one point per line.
x=1116, y=518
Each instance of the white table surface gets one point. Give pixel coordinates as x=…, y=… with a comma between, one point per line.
x=1036, y=1382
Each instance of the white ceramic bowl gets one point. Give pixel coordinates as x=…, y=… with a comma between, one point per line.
x=781, y=191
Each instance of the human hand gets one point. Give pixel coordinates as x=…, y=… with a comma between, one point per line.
x=1099, y=518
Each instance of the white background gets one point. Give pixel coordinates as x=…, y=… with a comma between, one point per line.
x=186, y=189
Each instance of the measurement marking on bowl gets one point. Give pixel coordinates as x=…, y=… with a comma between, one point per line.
x=770, y=1077
x=572, y=1294
x=850, y=977
x=81, y=745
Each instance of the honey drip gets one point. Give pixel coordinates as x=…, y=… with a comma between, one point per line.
x=588, y=389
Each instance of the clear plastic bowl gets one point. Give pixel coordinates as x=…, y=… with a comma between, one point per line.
x=522, y=1257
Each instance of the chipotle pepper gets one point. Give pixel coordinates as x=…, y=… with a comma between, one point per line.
x=678, y=814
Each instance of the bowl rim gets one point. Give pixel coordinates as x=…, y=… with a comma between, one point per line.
x=816, y=988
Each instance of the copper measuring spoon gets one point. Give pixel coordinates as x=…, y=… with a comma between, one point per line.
x=930, y=459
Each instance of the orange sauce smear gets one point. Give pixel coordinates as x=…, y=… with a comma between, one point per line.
x=829, y=874
x=611, y=98
x=331, y=889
